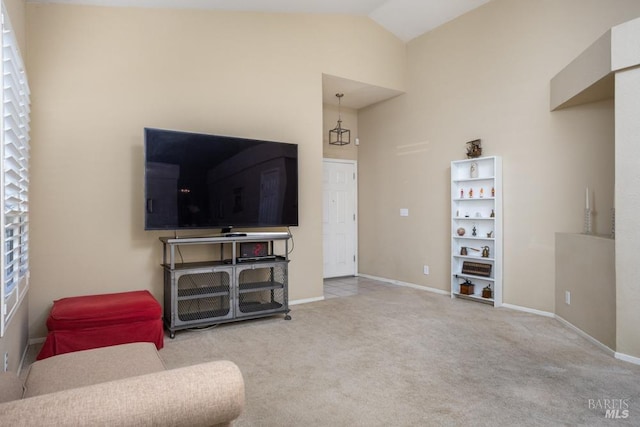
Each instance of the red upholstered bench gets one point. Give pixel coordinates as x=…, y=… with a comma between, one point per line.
x=85, y=322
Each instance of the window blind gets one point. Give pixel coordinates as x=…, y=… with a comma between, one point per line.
x=14, y=144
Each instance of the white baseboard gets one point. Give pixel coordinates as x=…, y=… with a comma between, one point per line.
x=585, y=335
x=37, y=340
x=617, y=355
x=605, y=348
x=24, y=356
x=627, y=358
x=306, y=300
x=528, y=310
x=406, y=284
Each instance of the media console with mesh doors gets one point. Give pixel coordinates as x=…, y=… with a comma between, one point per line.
x=247, y=278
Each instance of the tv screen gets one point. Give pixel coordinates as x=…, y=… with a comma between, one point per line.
x=196, y=180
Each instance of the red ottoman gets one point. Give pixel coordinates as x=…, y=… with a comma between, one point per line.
x=82, y=323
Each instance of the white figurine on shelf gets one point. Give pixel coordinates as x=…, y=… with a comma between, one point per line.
x=473, y=171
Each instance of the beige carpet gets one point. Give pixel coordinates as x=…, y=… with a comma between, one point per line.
x=399, y=356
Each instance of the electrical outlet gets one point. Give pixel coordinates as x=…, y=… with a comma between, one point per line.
x=567, y=297
x=426, y=269
x=6, y=361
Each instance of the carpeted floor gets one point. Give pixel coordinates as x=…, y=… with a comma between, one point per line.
x=392, y=355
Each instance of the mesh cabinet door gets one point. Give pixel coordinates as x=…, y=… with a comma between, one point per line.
x=203, y=297
x=262, y=289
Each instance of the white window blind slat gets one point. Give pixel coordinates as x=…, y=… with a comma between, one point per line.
x=14, y=186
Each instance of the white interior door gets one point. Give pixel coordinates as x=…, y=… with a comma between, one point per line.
x=339, y=218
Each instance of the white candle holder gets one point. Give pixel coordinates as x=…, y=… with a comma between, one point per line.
x=587, y=226
x=613, y=223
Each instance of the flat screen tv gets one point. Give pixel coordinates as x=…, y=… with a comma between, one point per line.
x=195, y=180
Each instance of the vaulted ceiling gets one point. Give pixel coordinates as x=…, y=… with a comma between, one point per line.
x=406, y=19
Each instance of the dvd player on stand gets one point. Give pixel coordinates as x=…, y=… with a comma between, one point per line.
x=255, y=258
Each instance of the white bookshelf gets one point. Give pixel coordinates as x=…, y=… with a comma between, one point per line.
x=476, y=203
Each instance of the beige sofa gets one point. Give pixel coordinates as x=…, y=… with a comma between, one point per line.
x=123, y=385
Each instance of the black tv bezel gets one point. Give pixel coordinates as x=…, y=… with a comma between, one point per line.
x=225, y=228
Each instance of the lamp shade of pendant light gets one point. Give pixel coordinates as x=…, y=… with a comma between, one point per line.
x=339, y=135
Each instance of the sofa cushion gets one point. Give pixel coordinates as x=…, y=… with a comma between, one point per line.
x=208, y=394
x=10, y=387
x=102, y=310
x=88, y=367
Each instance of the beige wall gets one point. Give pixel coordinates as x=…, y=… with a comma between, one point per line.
x=349, y=121
x=613, y=62
x=586, y=267
x=486, y=75
x=627, y=208
x=99, y=75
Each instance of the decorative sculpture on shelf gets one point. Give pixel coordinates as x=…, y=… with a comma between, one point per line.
x=463, y=250
x=466, y=288
x=485, y=252
x=473, y=170
x=486, y=292
x=474, y=149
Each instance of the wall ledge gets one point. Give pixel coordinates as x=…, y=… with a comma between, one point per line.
x=587, y=78
x=590, y=77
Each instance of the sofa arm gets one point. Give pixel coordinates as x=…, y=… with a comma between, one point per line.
x=200, y=395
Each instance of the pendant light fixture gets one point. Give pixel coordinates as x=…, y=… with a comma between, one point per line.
x=339, y=135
